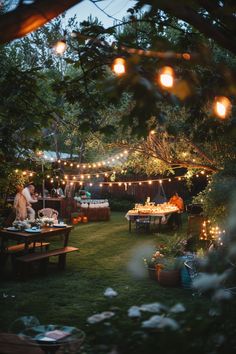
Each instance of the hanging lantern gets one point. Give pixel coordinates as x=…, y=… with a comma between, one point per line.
x=222, y=107
x=166, y=77
x=118, y=66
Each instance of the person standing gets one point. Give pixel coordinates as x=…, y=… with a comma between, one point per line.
x=175, y=218
x=20, y=204
x=28, y=193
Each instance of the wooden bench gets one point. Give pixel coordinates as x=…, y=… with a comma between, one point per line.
x=43, y=259
x=21, y=246
x=14, y=251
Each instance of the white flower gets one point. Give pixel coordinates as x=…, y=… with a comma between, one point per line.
x=134, y=311
x=178, y=308
x=155, y=307
x=100, y=317
x=206, y=281
x=109, y=292
x=222, y=294
x=160, y=322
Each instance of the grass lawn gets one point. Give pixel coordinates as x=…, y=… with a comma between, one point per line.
x=69, y=297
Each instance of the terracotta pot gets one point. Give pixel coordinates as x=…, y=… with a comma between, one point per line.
x=85, y=219
x=152, y=273
x=168, y=277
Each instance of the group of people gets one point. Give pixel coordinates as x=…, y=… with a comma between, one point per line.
x=23, y=201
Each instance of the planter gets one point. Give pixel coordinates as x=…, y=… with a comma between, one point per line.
x=168, y=277
x=152, y=273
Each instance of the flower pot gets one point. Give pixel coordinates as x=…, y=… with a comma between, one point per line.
x=85, y=219
x=152, y=273
x=168, y=277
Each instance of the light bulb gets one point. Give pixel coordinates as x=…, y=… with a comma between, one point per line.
x=166, y=76
x=119, y=66
x=222, y=107
x=60, y=47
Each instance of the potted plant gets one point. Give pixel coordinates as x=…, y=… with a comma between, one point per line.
x=168, y=272
x=151, y=264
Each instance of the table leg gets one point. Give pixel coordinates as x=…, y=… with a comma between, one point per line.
x=130, y=225
x=66, y=237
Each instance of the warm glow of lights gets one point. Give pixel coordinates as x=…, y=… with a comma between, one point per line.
x=65, y=163
x=119, y=184
x=149, y=182
x=197, y=176
x=16, y=171
x=118, y=66
x=110, y=184
x=88, y=176
x=51, y=180
x=169, y=179
x=126, y=152
x=106, y=174
x=60, y=47
x=90, y=184
x=71, y=164
x=222, y=107
x=63, y=182
x=82, y=176
x=129, y=183
x=24, y=173
x=152, y=132
x=71, y=183
x=160, y=181
x=100, y=185
x=166, y=77
x=31, y=174
x=140, y=183
x=48, y=176
x=58, y=161
x=66, y=177
x=97, y=175
x=77, y=166
x=74, y=177
x=84, y=166
x=179, y=178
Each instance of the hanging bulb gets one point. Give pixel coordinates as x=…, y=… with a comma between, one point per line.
x=60, y=47
x=118, y=66
x=222, y=107
x=166, y=76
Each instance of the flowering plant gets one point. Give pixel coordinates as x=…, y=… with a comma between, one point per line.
x=45, y=221
x=154, y=260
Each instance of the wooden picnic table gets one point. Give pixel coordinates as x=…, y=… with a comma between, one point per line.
x=27, y=237
x=30, y=241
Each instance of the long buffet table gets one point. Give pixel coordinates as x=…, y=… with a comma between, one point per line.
x=159, y=213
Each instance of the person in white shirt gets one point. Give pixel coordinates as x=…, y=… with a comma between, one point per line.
x=28, y=193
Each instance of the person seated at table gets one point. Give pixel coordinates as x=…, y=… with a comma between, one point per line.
x=20, y=204
x=58, y=192
x=175, y=218
x=29, y=193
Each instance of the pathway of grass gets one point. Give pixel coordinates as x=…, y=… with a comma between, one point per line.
x=71, y=296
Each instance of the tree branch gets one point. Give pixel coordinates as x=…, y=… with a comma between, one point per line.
x=27, y=18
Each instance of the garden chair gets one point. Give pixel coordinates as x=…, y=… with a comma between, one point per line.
x=49, y=213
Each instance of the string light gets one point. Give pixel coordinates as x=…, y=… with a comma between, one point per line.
x=118, y=66
x=166, y=77
x=60, y=47
x=222, y=107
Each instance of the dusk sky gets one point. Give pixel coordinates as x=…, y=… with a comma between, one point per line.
x=115, y=8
